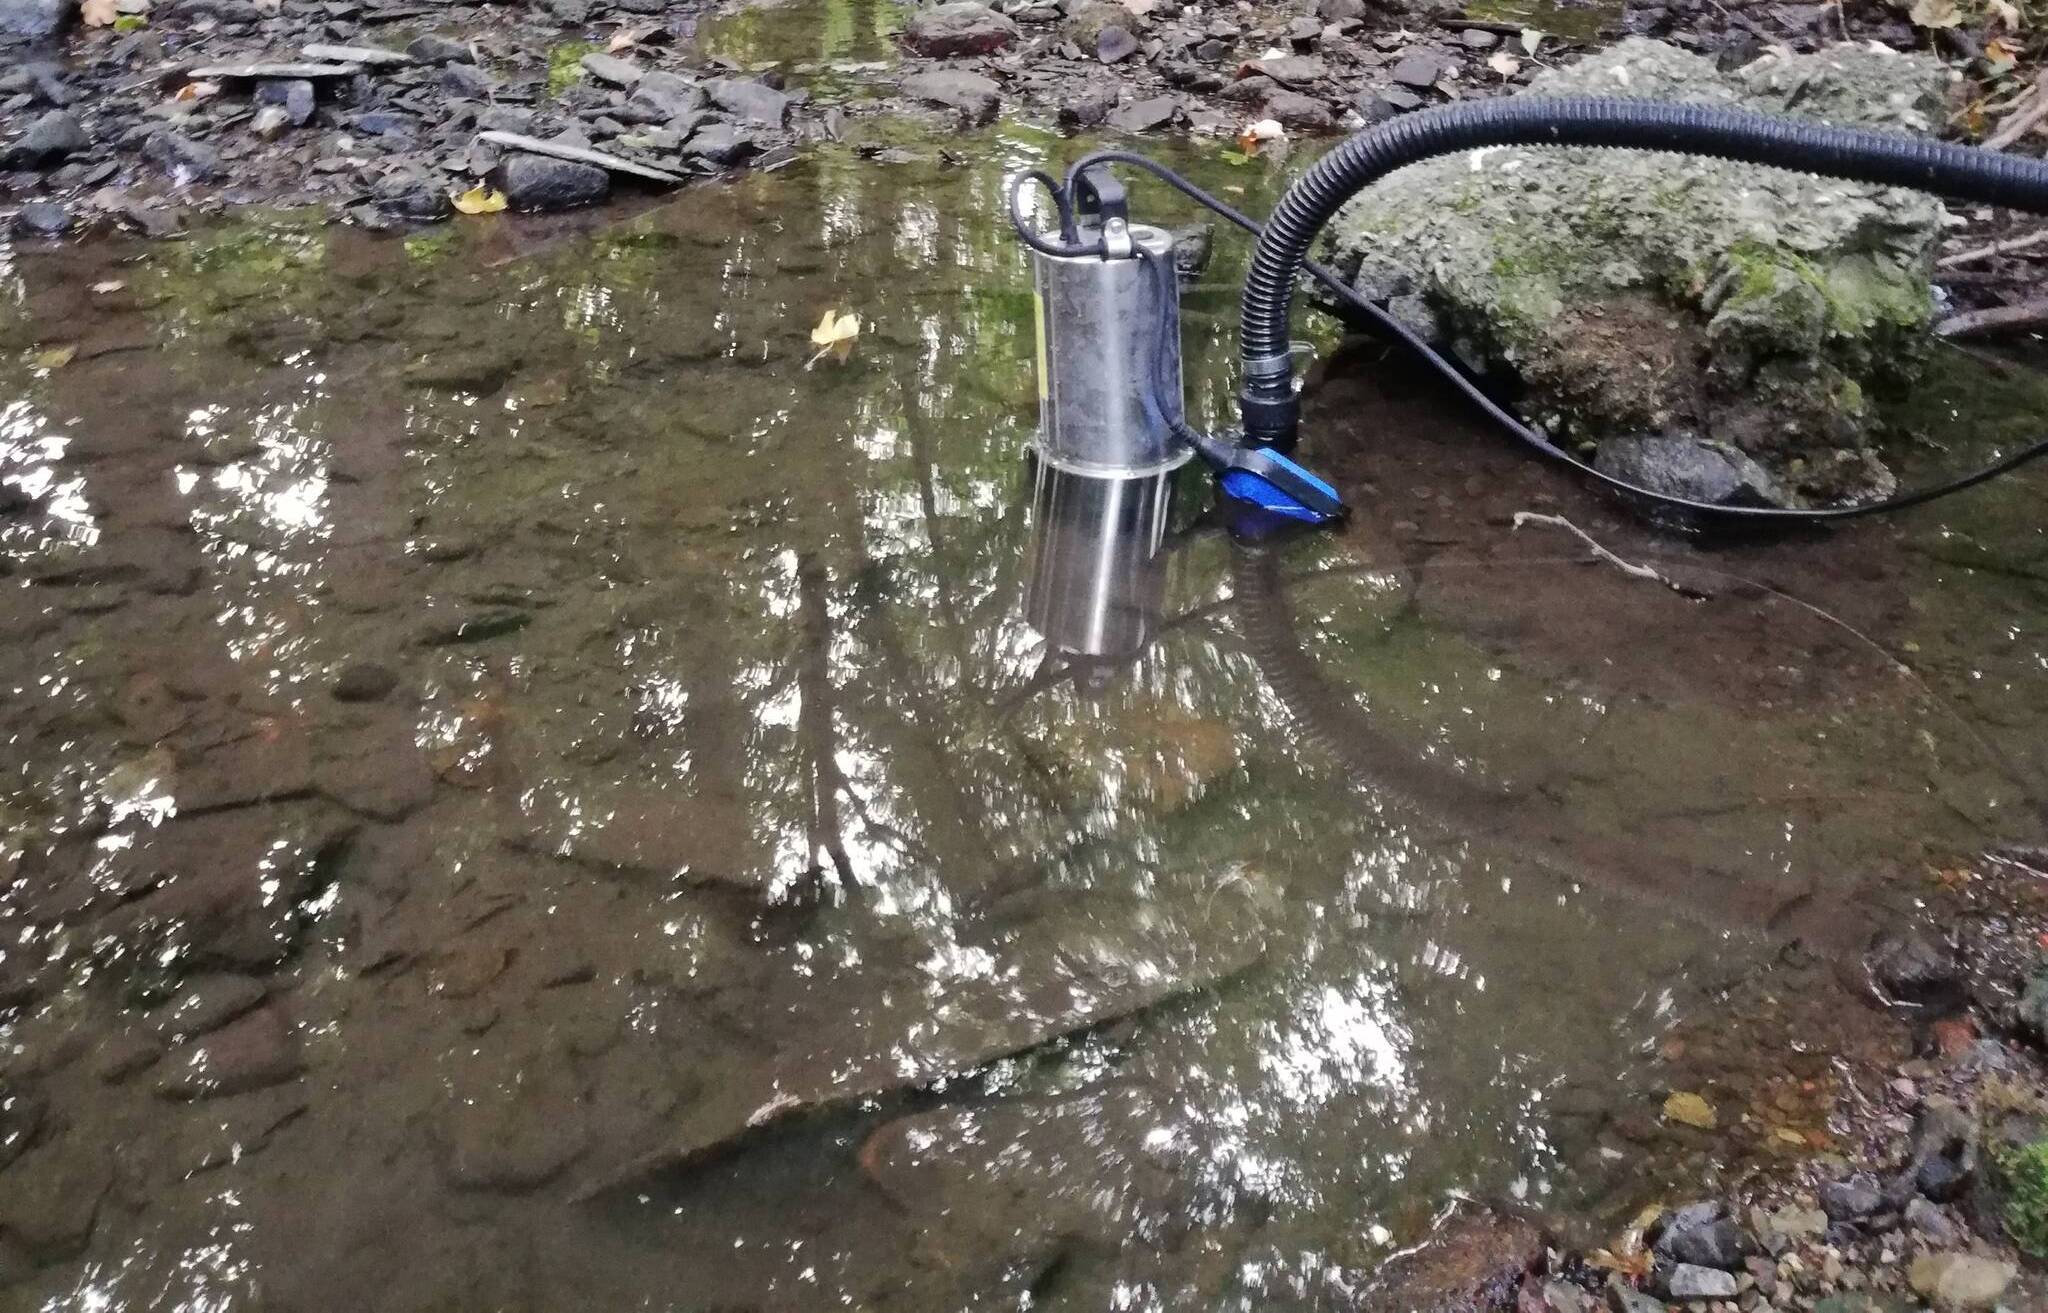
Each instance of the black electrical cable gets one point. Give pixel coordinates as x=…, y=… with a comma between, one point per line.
x=1888, y=158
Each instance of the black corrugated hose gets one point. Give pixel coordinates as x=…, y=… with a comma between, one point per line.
x=1268, y=403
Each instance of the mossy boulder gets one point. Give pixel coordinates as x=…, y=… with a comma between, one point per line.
x=1742, y=311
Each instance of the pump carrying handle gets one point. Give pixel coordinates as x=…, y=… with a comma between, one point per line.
x=1100, y=195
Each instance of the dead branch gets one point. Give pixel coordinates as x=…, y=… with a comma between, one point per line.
x=2024, y=119
x=1629, y=568
x=2006, y=247
x=1997, y=319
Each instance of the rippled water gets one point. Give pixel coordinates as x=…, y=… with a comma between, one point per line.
x=713, y=891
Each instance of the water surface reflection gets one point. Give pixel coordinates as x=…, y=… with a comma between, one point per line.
x=520, y=793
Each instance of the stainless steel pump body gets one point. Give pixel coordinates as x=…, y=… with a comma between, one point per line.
x=1100, y=331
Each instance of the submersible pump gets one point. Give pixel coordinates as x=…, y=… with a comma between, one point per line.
x=1108, y=305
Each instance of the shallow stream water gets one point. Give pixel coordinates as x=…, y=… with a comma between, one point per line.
x=709, y=890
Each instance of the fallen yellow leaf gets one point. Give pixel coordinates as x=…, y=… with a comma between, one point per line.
x=55, y=357
x=480, y=200
x=835, y=328
x=1690, y=1110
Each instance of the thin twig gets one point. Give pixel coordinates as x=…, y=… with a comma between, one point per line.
x=2006, y=247
x=1998, y=319
x=2024, y=120
x=1629, y=568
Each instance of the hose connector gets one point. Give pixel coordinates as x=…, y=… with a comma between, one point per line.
x=1268, y=408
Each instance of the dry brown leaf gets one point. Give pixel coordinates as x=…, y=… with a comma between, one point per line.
x=625, y=39
x=480, y=200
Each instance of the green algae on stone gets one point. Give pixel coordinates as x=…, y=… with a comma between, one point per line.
x=565, y=65
x=1637, y=294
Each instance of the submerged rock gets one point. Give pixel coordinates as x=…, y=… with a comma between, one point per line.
x=1688, y=467
x=1737, y=310
x=250, y=1054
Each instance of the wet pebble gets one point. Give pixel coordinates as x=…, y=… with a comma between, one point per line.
x=294, y=96
x=1115, y=43
x=1418, y=70
x=52, y=1197
x=383, y=776
x=973, y=96
x=434, y=48
x=1912, y=968
x=21, y=1116
x=513, y=1139
x=538, y=182
x=1296, y=110
x=1692, y=1281
x=1944, y=1154
x=1622, y=1298
x=1703, y=1235
x=468, y=968
x=959, y=28
x=182, y=158
x=1397, y=100
x=1087, y=107
x=1930, y=1221
x=749, y=101
x=43, y=219
x=1961, y=1282
x=49, y=141
x=719, y=143
x=249, y=1054
x=611, y=69
x=465, y=79
x=126, y=1054
x=477, y=624
x=206, y=1004
x=1145, y=115
x=1849, y=1200
x=364, y=681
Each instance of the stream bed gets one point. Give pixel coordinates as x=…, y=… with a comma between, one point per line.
x=524, y=789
